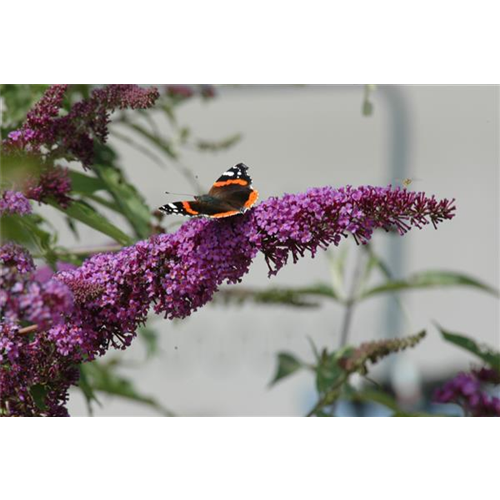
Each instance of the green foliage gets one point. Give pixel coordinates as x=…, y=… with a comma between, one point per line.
x=31, y=231
x=39, y=393
x=489, y=356
x=18, y=100
x=301, y=296
x=430, y=279
x=335, y=369
x=85, y=213
x=374, y=396
x=103, y=378
x=84, y=184
x=287, y=364
x=127, y=198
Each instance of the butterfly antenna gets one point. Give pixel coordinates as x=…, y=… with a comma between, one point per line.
x=180, y=194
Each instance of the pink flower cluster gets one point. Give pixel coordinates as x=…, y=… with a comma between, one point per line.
x=53, y=183
x=14, y=202
x=24, y=300
x=31, y=361
x=178, y=273
x=71, y=136
x=468, y=391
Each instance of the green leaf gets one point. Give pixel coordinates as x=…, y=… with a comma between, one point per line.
x=18, y=100
x=27, y=230
x=85, y=184
x=489, y=356
x=150, y=338
x=105, y=203
x=127, y=198
x=83, y=212
x=431, y=279
x=162, y=144
x=329, y=374
x=103, y=378
x=297, y=297
x=378, y=397
x=337, y=261
x=86, y=388
x=39, y=393
x=214, y=146
x=287, y=364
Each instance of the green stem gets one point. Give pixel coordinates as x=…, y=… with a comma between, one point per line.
x=351, y=299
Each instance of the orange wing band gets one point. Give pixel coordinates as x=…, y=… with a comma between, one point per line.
x=225, y=214
x=232, y=181
x=188, y=209
x=252, y=199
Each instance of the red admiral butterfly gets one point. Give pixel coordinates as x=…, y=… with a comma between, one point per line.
x=231, y=194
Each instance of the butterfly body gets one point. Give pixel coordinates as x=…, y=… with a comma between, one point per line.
x=231, y=194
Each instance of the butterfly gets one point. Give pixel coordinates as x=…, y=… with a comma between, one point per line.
x=231, y=194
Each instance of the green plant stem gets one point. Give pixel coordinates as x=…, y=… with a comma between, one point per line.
x=352, y=299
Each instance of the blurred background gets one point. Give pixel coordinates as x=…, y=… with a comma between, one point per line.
x=220, y=361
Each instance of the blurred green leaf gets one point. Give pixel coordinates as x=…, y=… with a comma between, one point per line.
x=85, y=184
x=378, y=397
x=214, y=146
x=111, y=204
x=367, y=103
x=489, y=356
x=287, y=364
x=18, y=100
x=315, y=350
x=297, y=297
x=431, y=279
x=102, y=377
x=86, y=388
x=162, y=144
x=150, y=338
x=83, y=212
x=329, y=374
x=39, y=393
x=133, y=206
x=16, y=169
x=337, y=261
x=27, y=230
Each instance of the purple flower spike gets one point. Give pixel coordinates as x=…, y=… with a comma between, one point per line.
x=180, y=272
x=74, y=133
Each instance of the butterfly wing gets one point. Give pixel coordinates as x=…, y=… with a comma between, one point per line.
x=215, y=210
x=235, y=187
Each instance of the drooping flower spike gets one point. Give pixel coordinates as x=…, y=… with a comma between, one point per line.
x=178, y=273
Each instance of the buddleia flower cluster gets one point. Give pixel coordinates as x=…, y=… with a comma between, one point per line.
x=50, y=324
x=48, y=135
x=179, y=272
x=469, y=391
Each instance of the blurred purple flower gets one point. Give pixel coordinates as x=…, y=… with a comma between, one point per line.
x=467, y=391
x=73, y=134
x=22, y=298
x=54, y=183
x=14, y=202
x=45, y=273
